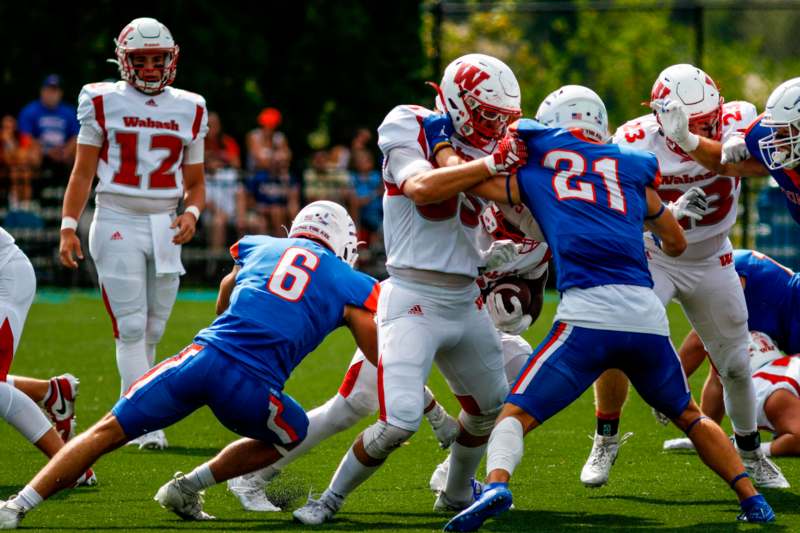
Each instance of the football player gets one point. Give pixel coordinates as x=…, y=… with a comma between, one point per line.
x=430, y=307
x=591, y=200
x=143, y=139
x=283, y=297
x=770, y=144
x=772, y=293
x=702, y=279
x=19, y=396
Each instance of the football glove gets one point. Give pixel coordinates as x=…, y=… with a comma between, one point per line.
x=510, y=154
x=675, y=123
x=438, y=129
x=693, y=204
x=734, y=150
x=501, y=252
x=514, y=322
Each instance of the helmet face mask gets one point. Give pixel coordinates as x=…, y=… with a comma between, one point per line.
x=781, y=148
x=141, y=39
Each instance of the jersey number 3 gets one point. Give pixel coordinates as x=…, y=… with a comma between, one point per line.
x=583, y=190
x=161, y=178
x=291, y=277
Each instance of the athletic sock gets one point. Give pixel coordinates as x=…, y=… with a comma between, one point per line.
x=505, y=446
x=607, y=424
x=22, y=413
x=464, y=462
x=350, y=474
x=150, y=351
x=131, y=362
x=27, y=498
x=200, y=478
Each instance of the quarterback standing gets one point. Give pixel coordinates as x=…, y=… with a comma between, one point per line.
x=703, y=278
x=144, y=141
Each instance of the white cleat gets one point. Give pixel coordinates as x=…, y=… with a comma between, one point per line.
x=602, y=457
x=11, y=515
x=249, y=490
x=155, y=440
x=444, y=504
x=682, y=443
x=59, y=405
x=660, y=417
x=316, y=512
x=439, y=477
x=175, y=497
x=762, y=471
x=88, y=479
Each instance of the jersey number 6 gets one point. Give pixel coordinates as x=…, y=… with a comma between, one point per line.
x=289, y=280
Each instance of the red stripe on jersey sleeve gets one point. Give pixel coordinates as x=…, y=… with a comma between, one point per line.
x=656, y=183
x=392, y=189
x=100, y=117
x=6, y=348
x=198, y=119
x=421, y=139
x=235, y=251
x=774, y=378
x=371, y=303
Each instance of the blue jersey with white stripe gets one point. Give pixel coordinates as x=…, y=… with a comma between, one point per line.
x=589, y=200
x=772, y=293
x=289, y=295
x=788, y=179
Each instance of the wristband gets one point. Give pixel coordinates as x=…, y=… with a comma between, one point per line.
x=193, y=209
x=490, y=165
x=660, y=212
x=690, y=143
x=69, y=223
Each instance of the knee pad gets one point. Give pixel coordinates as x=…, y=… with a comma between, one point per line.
x=126, y=302
x=478, y=425
x=731, y=358
x=343, y=414
x=131, y=327
x=380, y=439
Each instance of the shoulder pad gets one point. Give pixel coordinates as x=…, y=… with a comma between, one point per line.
x=737, y=116
x=403, y=127
x=642, y=132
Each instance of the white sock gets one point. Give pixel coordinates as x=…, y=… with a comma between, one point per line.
x=131, y=362
x=766, y=448
x=428, y=397
x=151, y=353
x=740, y=404
x=200, y=478
x=350, y=474
x=22, y=413
x=505, y=446
x=464, y=462
x=27, y=498
x=330, y=418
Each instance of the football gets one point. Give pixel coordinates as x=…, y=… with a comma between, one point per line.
x=510, y=287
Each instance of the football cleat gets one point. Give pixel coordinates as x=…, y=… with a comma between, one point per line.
x=317, y=512
x=175, y=497
x=762, y=471
x=59, y=404
x=604, y=452
x=439, y=477
x=756, y=509
x=88, y=479
x=444, y=504
x=11, y=514
x=249, y=490
x=155, y=440
x=682, y=443
x=660, y=417
x=495, y=499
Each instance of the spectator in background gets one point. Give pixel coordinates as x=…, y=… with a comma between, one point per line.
x=223, y=163
x=324, y=180
x=270, y=195
x=18, y=162
x=367, y=200
x=362, y=140
x=52, y=125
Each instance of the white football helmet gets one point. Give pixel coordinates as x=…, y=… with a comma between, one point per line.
x=762, y=350
x=697, y=93
x=146, y=35
x=575, y=106
x=781, y=149
x=329, y=223
x=482, y=97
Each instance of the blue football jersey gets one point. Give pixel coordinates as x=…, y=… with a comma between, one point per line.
x=772, y=293
x=289, y=295
x=788, y=179
x=589, y=200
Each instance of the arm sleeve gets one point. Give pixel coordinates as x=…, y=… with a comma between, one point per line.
x=195, y=152
x=90, y=131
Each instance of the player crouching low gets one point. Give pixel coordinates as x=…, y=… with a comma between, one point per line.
x=285, y=296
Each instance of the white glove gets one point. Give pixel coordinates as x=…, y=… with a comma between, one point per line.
x=514, y=322
x=734, y=150
x=445, y=427
x=682, y=443
x=675, y=123
x=501, y=252
x=693, y=204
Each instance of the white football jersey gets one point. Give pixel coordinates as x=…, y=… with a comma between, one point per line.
x=144, y=136
x=532, y=260
x=441, y=237
x=7, y=246
x=679, y=172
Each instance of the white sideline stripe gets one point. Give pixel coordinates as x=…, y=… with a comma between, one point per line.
x=162, y=367
x=543, y=358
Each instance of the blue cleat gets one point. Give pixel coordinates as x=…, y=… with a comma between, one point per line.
x=496, y=499
x=754, y=509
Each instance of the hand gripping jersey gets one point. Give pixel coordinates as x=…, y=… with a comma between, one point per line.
x=679, y=172
x=772, y=293
x=788, y=178
x=289, y=295
x=441, y=237
x=532, y=260
x=590, y=202
x=143, y=136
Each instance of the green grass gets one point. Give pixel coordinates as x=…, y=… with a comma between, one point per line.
x=649, y=489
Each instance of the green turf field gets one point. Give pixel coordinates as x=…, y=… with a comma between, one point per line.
x=649, y=489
